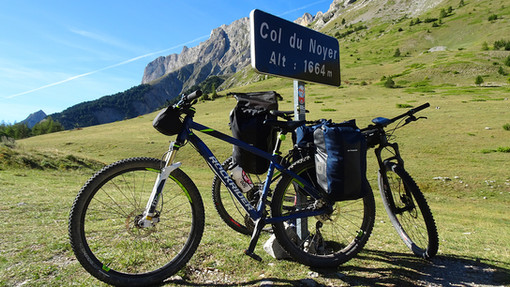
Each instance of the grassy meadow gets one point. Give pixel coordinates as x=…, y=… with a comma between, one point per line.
x=463, y=139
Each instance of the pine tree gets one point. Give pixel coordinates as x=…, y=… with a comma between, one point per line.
x=389, y=83
x=479, y=80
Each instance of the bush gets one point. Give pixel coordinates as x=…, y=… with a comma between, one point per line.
x=507, y=61
x=502, y=44
x=389, y=83
x=506, y=127
x=479, y=80
x=503, y=149
x=502, y=71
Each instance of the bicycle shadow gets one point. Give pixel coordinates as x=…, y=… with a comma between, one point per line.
x=399, y=269
x=404, y=269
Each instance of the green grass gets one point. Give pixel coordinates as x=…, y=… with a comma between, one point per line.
x=471, y=210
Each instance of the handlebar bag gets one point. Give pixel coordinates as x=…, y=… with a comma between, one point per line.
x=168, y=121
x=247, y=124
x=341, y=160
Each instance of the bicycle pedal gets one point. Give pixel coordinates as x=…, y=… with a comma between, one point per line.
x=253, y=255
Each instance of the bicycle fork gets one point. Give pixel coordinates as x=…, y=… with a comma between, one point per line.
x=149, y=217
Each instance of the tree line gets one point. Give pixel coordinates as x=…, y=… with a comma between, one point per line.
x=21, y=130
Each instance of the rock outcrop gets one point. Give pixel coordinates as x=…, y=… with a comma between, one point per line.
x=225, y=52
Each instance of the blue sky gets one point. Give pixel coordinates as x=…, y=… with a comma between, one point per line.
x=55, y=54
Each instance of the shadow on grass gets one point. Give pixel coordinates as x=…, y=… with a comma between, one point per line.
x=381, y=268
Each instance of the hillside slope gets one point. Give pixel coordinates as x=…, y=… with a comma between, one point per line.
x=439, y=42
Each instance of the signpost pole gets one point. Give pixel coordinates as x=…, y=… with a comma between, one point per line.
x=300, y=115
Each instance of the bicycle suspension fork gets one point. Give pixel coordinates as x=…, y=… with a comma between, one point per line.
x=148, y=217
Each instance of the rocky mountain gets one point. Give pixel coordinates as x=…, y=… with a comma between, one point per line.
x=226, y=50
x=34, y=118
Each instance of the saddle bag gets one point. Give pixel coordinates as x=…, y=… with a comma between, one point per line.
x=247, y=124
x=340, y=158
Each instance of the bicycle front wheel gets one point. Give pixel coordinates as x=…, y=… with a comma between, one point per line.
x=327, y=240
x=104, y=231
x=408, y=210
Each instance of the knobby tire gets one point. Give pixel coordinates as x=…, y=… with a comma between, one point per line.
x=103, y=230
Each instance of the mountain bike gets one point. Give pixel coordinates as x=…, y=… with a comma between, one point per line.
x=139, y=220
x=404, y=203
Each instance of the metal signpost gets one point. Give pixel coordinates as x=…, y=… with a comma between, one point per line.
x=283, y=48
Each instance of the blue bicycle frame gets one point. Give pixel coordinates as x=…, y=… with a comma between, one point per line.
x=256, y=214
x=217, y=168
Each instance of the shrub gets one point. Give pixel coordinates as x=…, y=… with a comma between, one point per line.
x=493, y=17
x=479, y=80
x=503, y=149
x=502, y=44
x=404, y=106
x=506, y=127
x=389, y=83
x=507, y=61
x=502, y=71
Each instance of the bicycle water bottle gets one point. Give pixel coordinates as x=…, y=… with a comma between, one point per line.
x=241, y=179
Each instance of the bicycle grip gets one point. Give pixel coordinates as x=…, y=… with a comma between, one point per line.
x=195, y=95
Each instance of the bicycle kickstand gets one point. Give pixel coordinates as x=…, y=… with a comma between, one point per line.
x=259, y=224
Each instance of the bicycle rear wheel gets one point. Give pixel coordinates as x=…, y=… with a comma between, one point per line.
x=229, y=208
x=104, y=231
x=329, y=239
x=408, y=210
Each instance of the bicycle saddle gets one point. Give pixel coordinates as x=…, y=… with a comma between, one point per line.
x=381, y=121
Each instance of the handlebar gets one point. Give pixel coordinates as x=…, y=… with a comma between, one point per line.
x=410, y=112
x=190, y=97
x=187, y=100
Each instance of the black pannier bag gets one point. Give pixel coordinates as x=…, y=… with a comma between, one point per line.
x=247, y=124
x=168, y=121
x=341, y=160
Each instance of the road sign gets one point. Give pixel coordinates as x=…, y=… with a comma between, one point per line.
x=283, y=48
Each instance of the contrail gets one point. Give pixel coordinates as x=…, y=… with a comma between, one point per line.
x=105, y=68
x=138, y=58
x=303, y=7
